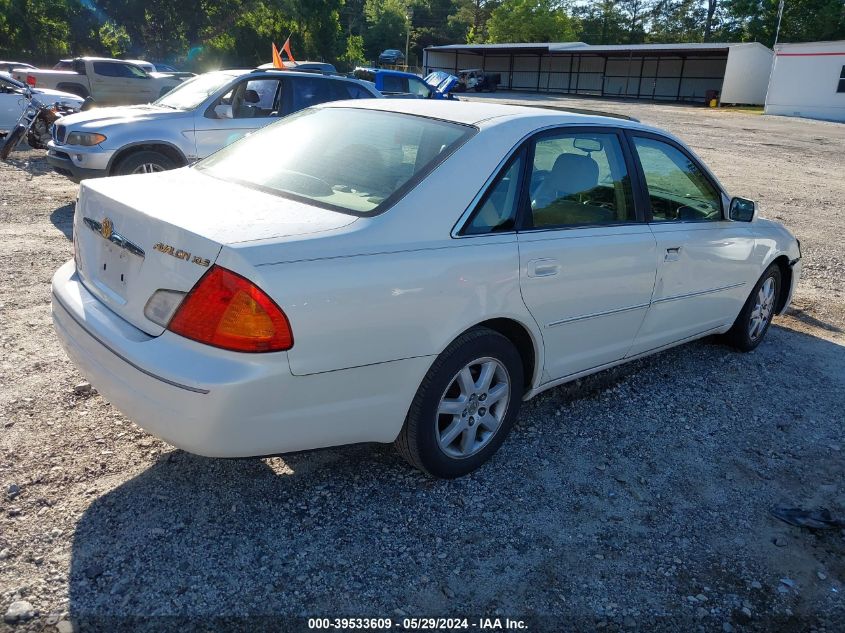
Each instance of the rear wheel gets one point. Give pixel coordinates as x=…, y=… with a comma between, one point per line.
x=12, y=141
x=145, y=162
x=753, y=321
x=465, y=406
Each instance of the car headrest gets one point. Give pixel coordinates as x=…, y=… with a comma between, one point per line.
x=251, y=96
x=574, y=173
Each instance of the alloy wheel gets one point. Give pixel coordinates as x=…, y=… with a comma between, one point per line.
x=147, y=168
x=473, y=407
x=763, y=309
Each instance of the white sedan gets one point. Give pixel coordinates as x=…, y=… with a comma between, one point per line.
x=13, y=101
x=404, y=271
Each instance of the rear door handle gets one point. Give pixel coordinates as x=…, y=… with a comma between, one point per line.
x=673, y=254
x=543, y=267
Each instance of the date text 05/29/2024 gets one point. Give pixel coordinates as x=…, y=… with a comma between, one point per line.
x=418, y=624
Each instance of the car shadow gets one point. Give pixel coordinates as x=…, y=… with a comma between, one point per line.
x=808, y=319
x=62, y=219
x=569, y=501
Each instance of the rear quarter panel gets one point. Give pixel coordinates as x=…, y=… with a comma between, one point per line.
x=365, y=309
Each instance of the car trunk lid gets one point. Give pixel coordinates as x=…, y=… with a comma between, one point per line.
x=134, y=235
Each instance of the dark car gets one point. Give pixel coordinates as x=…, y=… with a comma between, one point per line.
x=391, y=56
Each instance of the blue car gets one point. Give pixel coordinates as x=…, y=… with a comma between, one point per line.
x=395, y=83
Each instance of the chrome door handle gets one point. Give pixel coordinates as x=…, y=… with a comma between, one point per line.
x=672, y=254
x=543, y=268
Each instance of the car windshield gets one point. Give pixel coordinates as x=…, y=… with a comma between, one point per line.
x=346, y=159
x=188, y=95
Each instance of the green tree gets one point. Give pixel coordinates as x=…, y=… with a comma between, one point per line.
x=803, y=21
x=114, y=38
x=676, y=21
x=530, y=21
x=601, y=22
x=354, y=55
x=387, y=26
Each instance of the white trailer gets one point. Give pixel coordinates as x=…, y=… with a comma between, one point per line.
x=808, y=80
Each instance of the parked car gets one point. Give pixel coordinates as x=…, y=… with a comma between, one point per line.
x=395, y=83
x=478, y=80
x=305, y=67
x=161, y=69
x=8, y=67
x=391, y=56
x=13, y=102
x=311, y=285
x=106, y=81
x=190, y=122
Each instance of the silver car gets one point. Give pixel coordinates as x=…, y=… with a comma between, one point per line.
x=193, y=120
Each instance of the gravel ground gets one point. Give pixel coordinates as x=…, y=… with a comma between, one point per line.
x=637, y=499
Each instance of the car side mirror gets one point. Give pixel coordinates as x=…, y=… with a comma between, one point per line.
x=743, y=210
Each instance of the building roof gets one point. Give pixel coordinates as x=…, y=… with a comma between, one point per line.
x=598, y=49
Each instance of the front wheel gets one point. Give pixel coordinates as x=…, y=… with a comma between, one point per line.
x=144, y=162
x=465, y=406
x=753, y=321
x=12, y=141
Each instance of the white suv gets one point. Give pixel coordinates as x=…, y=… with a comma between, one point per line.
x=193, y=120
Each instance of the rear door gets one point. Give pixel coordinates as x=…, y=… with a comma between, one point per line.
x=109, y=83
x=249, y=105
x=705, y=267
x=587, y=260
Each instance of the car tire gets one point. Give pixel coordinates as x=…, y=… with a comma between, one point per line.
x=454, y=443
x=754, y=319
x=144, y=162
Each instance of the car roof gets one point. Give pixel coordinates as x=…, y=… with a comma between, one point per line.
x=388, y=71
x=477, y=113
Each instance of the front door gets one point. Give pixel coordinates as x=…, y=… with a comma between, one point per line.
x=12, y=103
x=587, y=261
x=249, y=105
x=705, y=268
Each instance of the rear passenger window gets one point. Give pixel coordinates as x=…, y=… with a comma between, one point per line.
x=349, y=90
x=580, y=179
x=677, y=188
x=395, y=84
x=308, y=91
x=497, y=210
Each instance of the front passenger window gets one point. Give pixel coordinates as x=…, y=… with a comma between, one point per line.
x=677, y=188
x=580, y=179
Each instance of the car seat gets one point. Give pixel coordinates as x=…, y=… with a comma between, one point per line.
x=557, y=200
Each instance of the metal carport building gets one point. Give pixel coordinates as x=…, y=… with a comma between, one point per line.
x=667, y=72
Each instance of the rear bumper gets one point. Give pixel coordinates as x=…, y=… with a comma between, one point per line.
x=78, y=163
x=224, y=404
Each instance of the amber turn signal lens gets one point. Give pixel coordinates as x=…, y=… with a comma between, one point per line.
x=229, y=311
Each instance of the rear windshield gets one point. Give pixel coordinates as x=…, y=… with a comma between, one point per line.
x=350, y=160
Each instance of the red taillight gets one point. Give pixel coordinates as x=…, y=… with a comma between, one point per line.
x=30, y=80
x=228, y=311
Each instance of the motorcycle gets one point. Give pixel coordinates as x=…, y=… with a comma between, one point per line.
x=35, y=123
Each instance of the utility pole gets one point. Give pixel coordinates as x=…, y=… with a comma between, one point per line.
x=408, y=36
x=780, y=17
